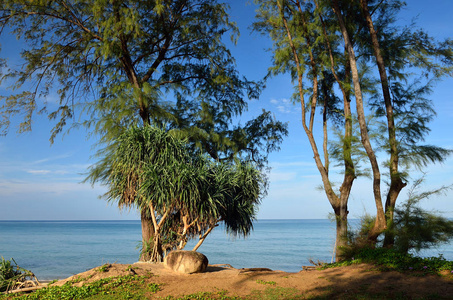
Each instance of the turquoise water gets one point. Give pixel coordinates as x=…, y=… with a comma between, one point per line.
x=58, y=249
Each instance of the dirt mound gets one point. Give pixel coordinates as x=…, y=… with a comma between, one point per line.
x=333, y=283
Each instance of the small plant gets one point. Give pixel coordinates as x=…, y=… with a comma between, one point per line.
x=12, y=276
x=153, y=287
x=415, y=228
x=7, y=273
x=129, y=268
x=104, y=268
x=317, y=263
x=266, y=282
x=78, y=279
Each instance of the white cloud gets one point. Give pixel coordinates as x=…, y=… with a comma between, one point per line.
x=38, y=172
x=283, y=109
x=33, y=189
x=282, y=176
x=310, y=164
x=284, y=105
x=52, y=158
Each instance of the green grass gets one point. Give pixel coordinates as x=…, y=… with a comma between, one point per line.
x=142, y=287
x=220, y=295
x=276, y=293
x=388, y=259
x=266, y=282
x=122, y=287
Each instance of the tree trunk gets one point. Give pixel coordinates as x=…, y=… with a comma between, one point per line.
x=341, y=218
x=157, y=253
x=147, y=236
x=395, y=188
x=342, y=212
x=396, y=184
x=339, y=204
x=203, y=237
x=380, y=223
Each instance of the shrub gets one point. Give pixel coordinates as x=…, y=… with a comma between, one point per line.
x=392, y=259
x=12, y=275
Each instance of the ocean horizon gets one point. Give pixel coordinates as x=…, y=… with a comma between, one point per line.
x=55, y=249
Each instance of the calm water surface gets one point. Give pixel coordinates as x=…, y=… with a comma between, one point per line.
x=58, y=249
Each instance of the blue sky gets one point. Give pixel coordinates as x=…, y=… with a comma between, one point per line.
x=43, y=182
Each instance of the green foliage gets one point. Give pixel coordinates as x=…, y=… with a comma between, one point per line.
x=11, y=275
x=357, y=238
x=277, y=293
x=123, y=287
x=414, y=228
x=161, y=62
x=104, y=44
x=354, y=150
x=208, y=128
x=413, y=112
x=118, y=65
x=8, y=273
x=390, y=259
x=203, y=296
x=260, y=281
x=326, y=43
x=104, y=268
x=190, y=193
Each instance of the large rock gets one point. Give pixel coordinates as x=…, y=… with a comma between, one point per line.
x=186, y=262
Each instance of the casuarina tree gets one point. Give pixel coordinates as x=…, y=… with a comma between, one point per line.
x=330, y=48
x=115, y=64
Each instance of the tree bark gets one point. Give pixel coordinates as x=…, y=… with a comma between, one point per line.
x=147, y=235
x=339, y=204
x=341, y=212
x=341, y=220
x=203, y=237
x=396, y=183
x=380, y=223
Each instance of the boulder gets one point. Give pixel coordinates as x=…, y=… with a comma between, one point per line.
x=186, y=262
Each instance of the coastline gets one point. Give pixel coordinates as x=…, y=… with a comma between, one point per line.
x=64, y=248
x=220, y=281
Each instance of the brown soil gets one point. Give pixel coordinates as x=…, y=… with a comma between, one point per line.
x=339, y=283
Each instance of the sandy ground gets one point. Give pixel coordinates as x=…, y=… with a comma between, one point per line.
x=341, y=282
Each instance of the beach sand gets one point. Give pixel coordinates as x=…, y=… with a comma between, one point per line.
x=343, y=282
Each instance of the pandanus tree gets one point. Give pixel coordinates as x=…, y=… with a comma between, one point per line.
x=187, y=193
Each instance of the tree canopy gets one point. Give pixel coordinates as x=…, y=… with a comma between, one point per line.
x=332, y=49
x=117, y=64
x=187, y=193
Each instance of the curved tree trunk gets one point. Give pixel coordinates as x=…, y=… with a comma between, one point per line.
x=338, y=203
x=396, y=183
x=380, y=223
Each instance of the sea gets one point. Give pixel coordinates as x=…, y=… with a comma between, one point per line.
x=59, y=249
